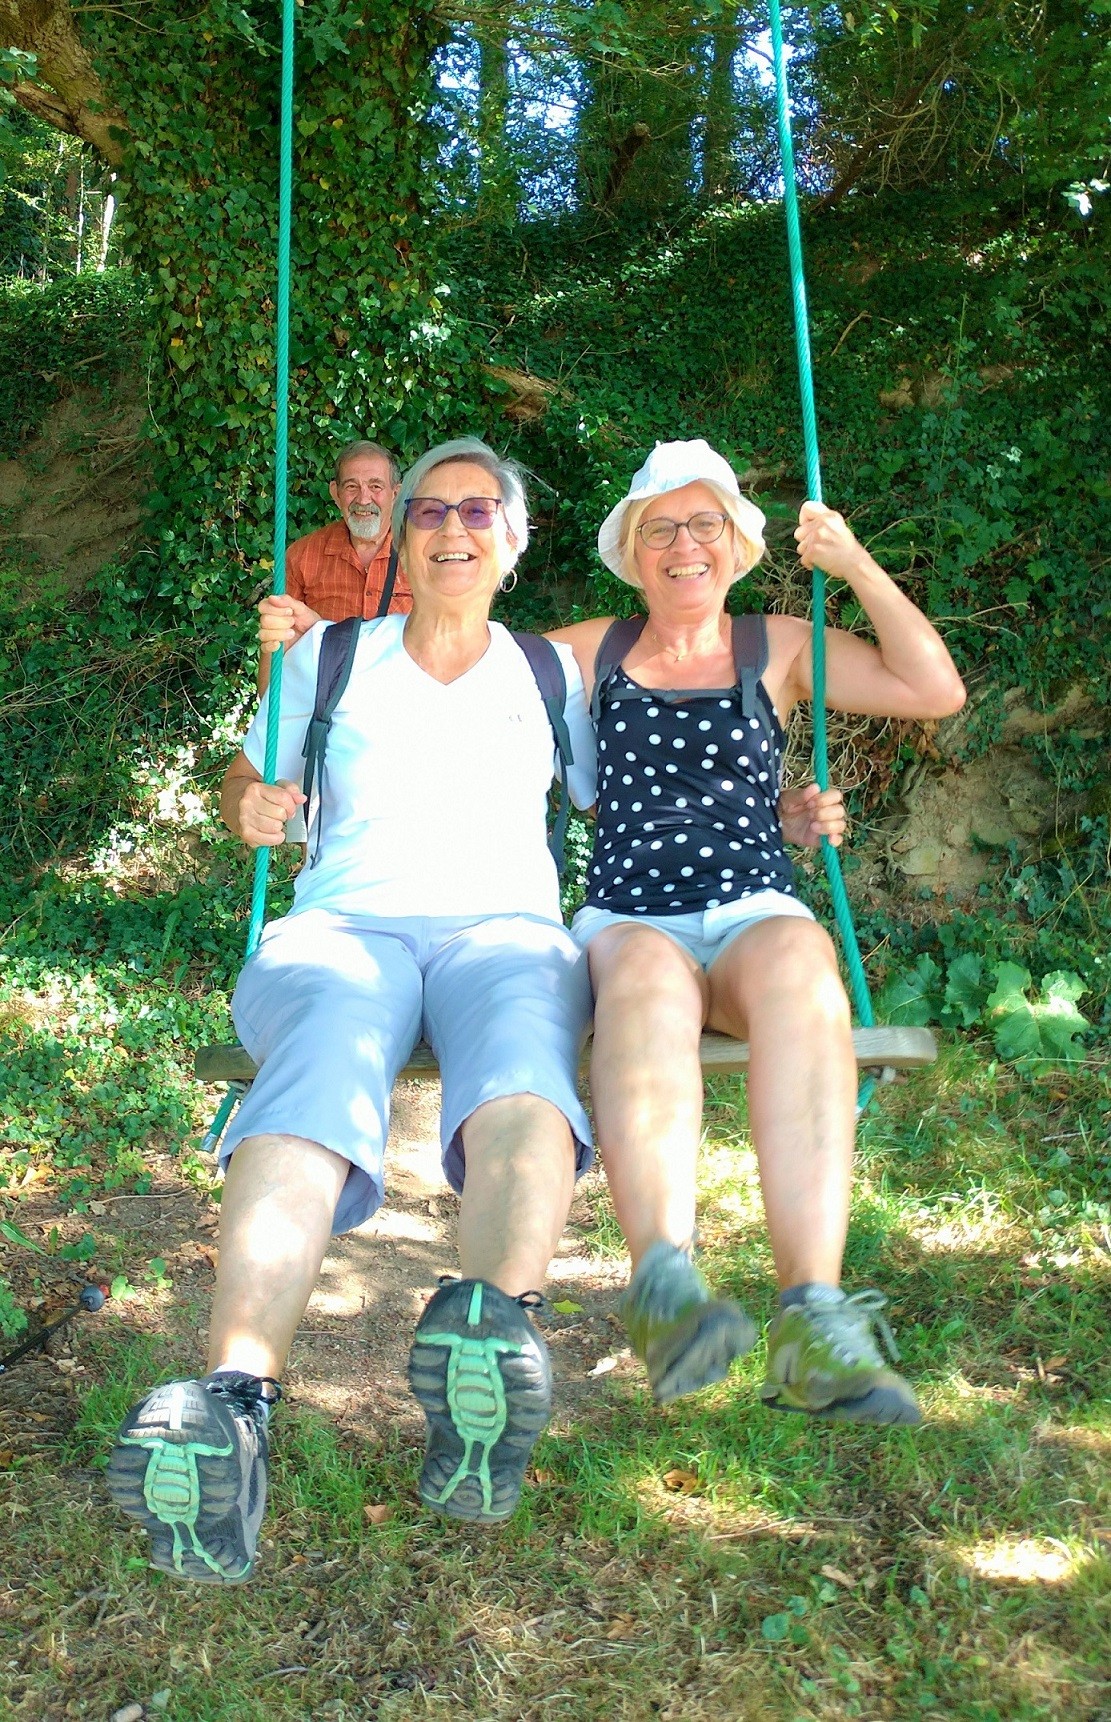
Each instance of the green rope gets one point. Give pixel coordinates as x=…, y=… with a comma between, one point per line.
x=281, y=497
x=281, y=449
x=843, y=914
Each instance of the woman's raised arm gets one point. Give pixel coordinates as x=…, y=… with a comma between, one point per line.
x=907, y=673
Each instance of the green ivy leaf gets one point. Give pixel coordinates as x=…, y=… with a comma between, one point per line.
x=965, y=992
x=83, y=1251
x=913, y=997
x=1044, y=1026
x=775, y=1627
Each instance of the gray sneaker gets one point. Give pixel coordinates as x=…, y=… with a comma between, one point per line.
x=823, y=1359
x=685, y=1338
x=190, y=1464
x=481, y=1372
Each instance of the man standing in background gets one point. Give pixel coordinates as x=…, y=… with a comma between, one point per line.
x=348, y=568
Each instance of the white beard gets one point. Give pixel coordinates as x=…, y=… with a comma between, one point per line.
x=365, y=525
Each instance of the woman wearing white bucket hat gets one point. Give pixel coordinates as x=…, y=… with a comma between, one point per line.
x=691, y=920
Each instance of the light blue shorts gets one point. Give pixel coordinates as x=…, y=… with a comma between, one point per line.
x=704, y=933
x=330, y=1007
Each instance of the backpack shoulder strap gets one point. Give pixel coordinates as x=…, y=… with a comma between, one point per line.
x=333, y=672
x=750, y=657
x=617, y=641
x=388, y=584
x=543, y=661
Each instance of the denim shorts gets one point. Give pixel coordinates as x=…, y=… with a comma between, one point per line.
x=330, y=1007
x=705, y=933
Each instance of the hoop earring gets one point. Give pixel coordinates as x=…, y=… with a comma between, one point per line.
x=508, y=581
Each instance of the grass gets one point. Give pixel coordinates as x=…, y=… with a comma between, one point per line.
x=712, y=1560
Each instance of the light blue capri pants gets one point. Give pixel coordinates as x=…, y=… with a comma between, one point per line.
x=330, y=1007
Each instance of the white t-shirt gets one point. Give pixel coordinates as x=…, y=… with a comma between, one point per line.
x=434, y=797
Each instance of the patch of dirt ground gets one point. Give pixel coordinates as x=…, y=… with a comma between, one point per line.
x=350, y=1355
x=73, y=499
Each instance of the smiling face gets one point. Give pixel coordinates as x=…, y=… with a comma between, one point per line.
x=686, y=579
x=451, y=560
x=364, y=495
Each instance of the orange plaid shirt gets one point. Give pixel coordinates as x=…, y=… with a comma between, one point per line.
x=324, y=571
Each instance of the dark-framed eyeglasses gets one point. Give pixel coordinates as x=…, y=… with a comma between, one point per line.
x=705, y=527
x=475, y=512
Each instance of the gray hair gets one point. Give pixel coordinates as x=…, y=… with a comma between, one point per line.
x=506, y=474
x=357, y=450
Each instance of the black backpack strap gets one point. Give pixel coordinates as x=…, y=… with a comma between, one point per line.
x=333, y=671
x=618, y=640
x=387, y=589
x=750, y=657
x=543, y=661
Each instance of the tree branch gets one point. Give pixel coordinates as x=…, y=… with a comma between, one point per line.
x=875, y=141
x=68, y=94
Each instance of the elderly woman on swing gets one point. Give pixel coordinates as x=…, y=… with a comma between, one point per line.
x=430, y=906
x=691, y=920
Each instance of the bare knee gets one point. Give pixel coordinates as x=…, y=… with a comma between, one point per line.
x=784, y=962
x=288, y=1171
x=513, y=1130
x=636, y=969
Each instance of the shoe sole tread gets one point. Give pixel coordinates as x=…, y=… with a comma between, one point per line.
x=192, y=1495
x=486, y=1402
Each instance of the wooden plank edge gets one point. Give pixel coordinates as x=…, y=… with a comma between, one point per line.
x=893, y=1048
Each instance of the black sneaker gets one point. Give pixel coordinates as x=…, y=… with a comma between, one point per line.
x=481, y=1373
x=190, y=1463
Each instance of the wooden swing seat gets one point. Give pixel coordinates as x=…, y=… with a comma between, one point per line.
x=878, y=1049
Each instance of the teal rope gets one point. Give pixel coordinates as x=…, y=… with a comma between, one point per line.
x=281, y=448
x=281, y=498
x=849, y=943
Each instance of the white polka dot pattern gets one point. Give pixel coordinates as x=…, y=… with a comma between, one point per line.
x=714, y=832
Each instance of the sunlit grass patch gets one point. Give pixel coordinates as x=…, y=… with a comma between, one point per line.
x=1025, y=1560
x=711, y=1561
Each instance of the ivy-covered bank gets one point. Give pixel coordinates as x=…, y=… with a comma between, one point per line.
x=965, y=422
x=965, y=428
x=374, y=350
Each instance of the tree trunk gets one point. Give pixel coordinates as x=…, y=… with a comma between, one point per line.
x=637, y=118
x=719, y=168
x=197, y=189
x=68, y=93
x=498, y=191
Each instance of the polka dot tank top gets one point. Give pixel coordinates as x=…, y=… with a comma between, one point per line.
x=687, y=788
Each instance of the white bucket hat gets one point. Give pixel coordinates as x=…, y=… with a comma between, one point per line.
x=670, y=466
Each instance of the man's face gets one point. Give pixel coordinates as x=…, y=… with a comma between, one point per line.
x=364, y=496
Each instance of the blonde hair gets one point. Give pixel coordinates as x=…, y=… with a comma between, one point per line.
x=746, y=551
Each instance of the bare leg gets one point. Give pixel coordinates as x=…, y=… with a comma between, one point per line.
x=190, y=1460
x=279, y=1197
x=777, y=986
x=478, y=1366
x=646, y=1080
x=778, y=983
x=517, y=1191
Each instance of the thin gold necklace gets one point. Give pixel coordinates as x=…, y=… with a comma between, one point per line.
x=675, y=652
